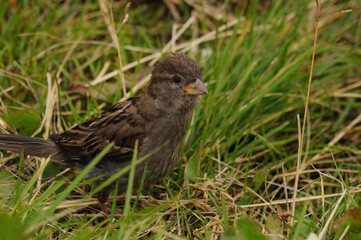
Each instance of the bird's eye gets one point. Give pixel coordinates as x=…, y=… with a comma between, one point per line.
x=176, y=79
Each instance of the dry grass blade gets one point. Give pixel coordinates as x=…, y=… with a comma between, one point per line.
x=330, y=218
x=295, y=188
x=108, y=17
x=101, y=74
x=171, y=44
x=300, y=199
x=50, y=104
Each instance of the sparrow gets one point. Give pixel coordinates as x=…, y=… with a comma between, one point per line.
x=158, y=120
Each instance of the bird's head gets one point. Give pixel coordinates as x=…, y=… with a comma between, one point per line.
x=176, y=83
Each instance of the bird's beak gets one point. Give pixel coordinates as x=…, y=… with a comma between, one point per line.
x=195, y=88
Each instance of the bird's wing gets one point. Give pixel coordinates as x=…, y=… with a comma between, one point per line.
x=121, y=125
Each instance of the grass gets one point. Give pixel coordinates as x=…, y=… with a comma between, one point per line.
x=59, y=65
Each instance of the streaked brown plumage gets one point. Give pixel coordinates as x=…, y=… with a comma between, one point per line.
x=157, y=118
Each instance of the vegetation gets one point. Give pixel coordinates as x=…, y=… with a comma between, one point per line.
x=240, y=174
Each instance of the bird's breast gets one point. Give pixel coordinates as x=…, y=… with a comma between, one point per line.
x=163, y=143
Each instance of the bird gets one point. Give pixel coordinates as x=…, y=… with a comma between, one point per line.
x=157, y=120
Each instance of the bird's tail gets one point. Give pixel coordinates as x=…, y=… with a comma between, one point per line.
x=32, y=146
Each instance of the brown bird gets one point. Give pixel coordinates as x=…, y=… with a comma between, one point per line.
x=158, y=119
